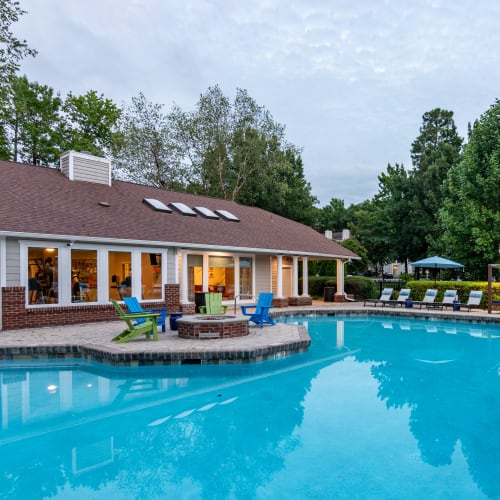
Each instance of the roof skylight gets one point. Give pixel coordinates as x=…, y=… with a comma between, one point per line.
x=209, y=214
x=228, y=215
x=157, y=205
x=183, y=208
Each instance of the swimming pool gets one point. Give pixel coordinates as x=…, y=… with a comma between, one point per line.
x=379, y=407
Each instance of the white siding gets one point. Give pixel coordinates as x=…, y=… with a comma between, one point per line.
x=262, y=273
x=172, y=266
x=64, y=165
x=89, y=170
x=13, y=277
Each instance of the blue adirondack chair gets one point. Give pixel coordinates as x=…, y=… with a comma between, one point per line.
x=261, y=313
x=134, y=306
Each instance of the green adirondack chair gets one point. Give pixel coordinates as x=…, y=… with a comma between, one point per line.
x=213, y=304
x=135, y=330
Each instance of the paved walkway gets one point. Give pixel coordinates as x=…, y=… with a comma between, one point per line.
x=100, y=335
x=93, y=340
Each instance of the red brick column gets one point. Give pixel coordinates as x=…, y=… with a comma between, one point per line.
x=280, y=302
x=302, y=300
x=13, y=308
x=173, y=297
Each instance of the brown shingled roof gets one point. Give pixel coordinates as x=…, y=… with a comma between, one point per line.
x=41, y=200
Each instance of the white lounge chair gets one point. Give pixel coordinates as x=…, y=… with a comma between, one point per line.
x=449, y=297
x=474, y=300
x=429, y=298
x=385, y=297
x=404, y=294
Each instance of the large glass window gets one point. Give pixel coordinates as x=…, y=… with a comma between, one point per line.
x=43, y=272
x=221, y=276
x=151, y=267
x=83, y=275
x=120, y=274
x=246, y=273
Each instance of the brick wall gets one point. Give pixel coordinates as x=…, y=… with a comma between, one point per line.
x=280, y=302
x=172, y=297
x=16, y=315
x=300, y=301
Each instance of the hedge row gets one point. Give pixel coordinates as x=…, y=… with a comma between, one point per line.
x=463, y=289
x=365, y=288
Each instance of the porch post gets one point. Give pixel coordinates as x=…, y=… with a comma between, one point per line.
x=176, y=271
x=236, y=261
x=490, y=279
x=204, y=274
x=339, y=295
x=295, y=272
x=184, y=279
x=305, y=277
x=279, y=276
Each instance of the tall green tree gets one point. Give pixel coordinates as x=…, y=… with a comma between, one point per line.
x=90, y=123
x=356, y=266
x=12, y=50
x=147, y=151
x=392, y=203
x=334, y=216
x=31, y=119
x=470, y=216
x=4, y=143
x=281, y=188
x=226, y=143
x=235, y=150
x=433, y=153
x=367, y=225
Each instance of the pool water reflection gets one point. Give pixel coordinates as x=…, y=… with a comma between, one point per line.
x=378, y=408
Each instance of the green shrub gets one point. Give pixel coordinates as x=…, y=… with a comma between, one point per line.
x=463, y=289
x=317, y=285
x=359, y=286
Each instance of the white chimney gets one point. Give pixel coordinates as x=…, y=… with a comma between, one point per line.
x=78, y=166
x=346, y=234
x=329, y=234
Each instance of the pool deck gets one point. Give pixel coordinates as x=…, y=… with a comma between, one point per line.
x=92, y=341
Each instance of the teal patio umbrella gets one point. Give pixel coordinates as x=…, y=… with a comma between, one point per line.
x=436, y=263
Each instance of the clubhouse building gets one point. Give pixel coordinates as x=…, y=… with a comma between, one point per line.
x=72, y=239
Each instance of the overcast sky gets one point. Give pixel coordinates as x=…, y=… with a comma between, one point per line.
x=349, y=79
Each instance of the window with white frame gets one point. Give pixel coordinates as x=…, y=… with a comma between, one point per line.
x=43, y=275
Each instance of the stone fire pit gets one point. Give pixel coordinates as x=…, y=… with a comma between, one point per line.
x=207, y=326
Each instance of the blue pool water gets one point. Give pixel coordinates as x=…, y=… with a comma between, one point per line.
x=378, y=408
